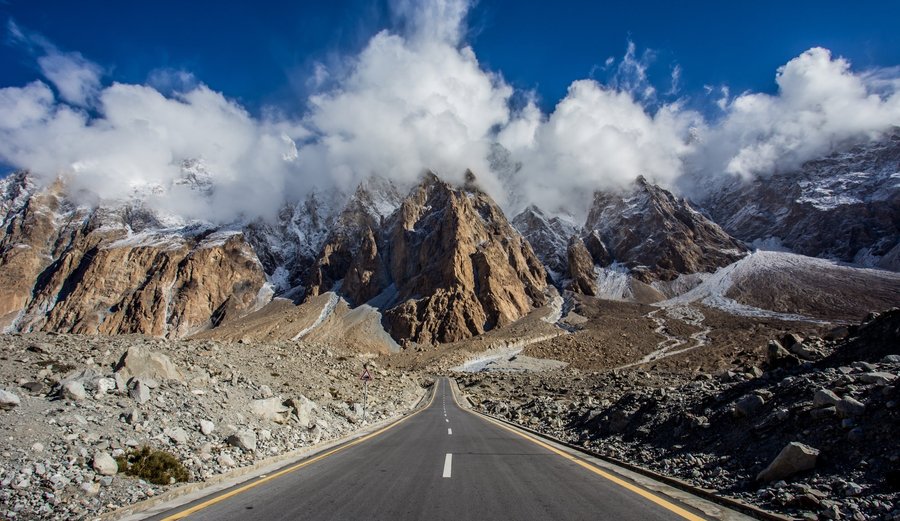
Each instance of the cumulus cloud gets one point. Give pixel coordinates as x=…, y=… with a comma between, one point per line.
x=415, y=98
x=821, y=104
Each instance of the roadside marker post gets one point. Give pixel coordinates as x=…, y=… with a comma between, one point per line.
x=365, y=377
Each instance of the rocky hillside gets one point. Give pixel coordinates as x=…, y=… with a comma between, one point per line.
x=119, y=269
x=809, y=432
x=71, y=404
x=845, y=206
x=548, y=236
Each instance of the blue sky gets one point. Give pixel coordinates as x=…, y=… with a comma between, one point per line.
x=276, y=101
x=262, y=53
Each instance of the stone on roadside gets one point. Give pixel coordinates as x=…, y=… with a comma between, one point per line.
x=794, y=457
x=304, y=409
x=244, y=440
x=90, y=488
x=104, y=464
x=270, y=409
x=225, y=460
x=8, y=400
x=265, y=391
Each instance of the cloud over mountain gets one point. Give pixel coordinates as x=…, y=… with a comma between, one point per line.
x=415, y=98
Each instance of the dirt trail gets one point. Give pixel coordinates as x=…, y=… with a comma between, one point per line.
x=671, y=344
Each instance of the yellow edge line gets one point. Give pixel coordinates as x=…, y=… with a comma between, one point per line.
x=637, y=490
x=223, y=497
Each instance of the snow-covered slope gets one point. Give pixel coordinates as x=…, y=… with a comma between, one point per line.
x=549, y=237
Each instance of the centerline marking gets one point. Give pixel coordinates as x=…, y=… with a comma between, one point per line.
x=448, y=462
x=449, y=432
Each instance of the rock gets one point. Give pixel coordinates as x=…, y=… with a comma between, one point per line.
x=244, y=440
x=848, y=407
x=132, y=416
x=207, y=427
x=778, y=356
x=580, y=268
x=73, y=390
x=33, y=387
x=178, y=435
x=791, y=339
x=748, y=405
x=878, y=378
x=837, y=333
x=104, y=385
x=804, y=352
x=139, y=392
x=104, y=464
x=270, y=409
x=139, y=362
x=304, y=409
x=8, y=400
x=793, y=458
x=824, y=397
x=91, y=488
x=265, y=391
x=225, y=460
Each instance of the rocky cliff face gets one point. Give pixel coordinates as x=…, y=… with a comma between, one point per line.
x=845, y=206
x=445, y=266
x=656, y=235
x=116, y=269
x=548, y=236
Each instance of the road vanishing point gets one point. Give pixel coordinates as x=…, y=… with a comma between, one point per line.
x=445, y=463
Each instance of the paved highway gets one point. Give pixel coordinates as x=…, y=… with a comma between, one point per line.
x=441, y=463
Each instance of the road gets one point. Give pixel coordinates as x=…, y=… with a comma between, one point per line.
x=441, y=463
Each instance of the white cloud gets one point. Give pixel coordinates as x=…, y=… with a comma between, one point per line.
x=76, y=78
x=415, y=99
x=821, y=104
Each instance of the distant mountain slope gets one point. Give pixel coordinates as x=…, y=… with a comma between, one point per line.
x=845, y=206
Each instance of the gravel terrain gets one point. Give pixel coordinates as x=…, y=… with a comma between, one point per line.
x=70, y=404
x=810, y=432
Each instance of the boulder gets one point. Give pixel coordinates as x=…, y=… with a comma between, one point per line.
x=73, y=390
x=270, y=409
x=805, y=353
x=206, y=427
x=140, y=392
x=104, y=464
x=177, y=435
x=8, y=400
x=793, y=458
x=878, y=377
x=304, y=408
x=142, y=363
x=244, y=440
x=748, y=405
x=848, y=407
x=824, y=398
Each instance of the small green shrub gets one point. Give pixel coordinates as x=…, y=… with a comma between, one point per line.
x=156, y=466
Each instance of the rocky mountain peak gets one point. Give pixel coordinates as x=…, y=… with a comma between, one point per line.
x=658, y=236
x=548, y=236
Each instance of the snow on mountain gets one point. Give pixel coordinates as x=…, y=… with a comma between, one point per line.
x=549, y=237
x=845, y=206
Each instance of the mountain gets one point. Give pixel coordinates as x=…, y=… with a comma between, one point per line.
x=117, y=269
x=445, y=266
x=845, y=206
x=657, y=236
x=548, y=237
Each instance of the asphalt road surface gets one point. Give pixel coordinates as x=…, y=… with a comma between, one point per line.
x=441, y=463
